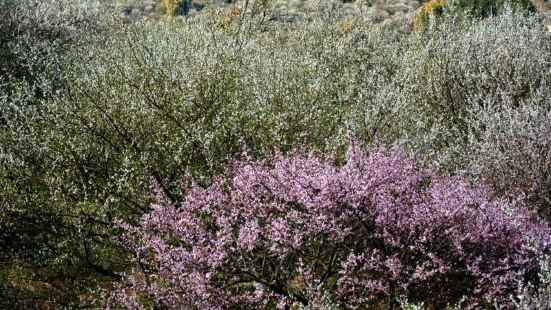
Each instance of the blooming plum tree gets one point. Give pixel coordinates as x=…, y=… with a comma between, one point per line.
x=299, y=231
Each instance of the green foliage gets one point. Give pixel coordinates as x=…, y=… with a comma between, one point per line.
x=436, y=9
x=176, y=7
x=483, y=100
x=430, y=10
x=485, y=8
x=37, y=236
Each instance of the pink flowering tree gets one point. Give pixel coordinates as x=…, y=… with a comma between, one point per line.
x=301, y=231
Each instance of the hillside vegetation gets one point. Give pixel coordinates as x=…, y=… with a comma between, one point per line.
x=275, y=154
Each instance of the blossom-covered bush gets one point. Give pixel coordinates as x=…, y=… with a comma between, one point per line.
x=302, y=231
x=93, y=106
x=482, y=105
x=474, y=9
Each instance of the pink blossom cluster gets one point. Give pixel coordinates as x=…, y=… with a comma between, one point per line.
x=300, y=230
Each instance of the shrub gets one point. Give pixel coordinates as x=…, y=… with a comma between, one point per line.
x=470, y=8
x=153, y=100
x=156, y=100
x=33, y=32
x=175, y=7
x=481, y=100
x=487, y=8
x=514, y=153
x=299, y=230
x=33, y=228
x=430, y=9
x=530, y=297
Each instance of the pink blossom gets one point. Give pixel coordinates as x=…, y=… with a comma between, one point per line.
x=301, y=230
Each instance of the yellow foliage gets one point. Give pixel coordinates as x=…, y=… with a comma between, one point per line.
x=230, y=17
x=429, y=8
x=170, y=6
x=347, y=26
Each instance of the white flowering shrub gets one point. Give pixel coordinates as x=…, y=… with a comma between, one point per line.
x=534, y=296
x=483, y=104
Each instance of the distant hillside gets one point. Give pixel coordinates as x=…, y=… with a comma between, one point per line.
x=381, y=10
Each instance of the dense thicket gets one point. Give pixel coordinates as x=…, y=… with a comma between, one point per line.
x=37, y=249
x=95, y=109
x=302, y=232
